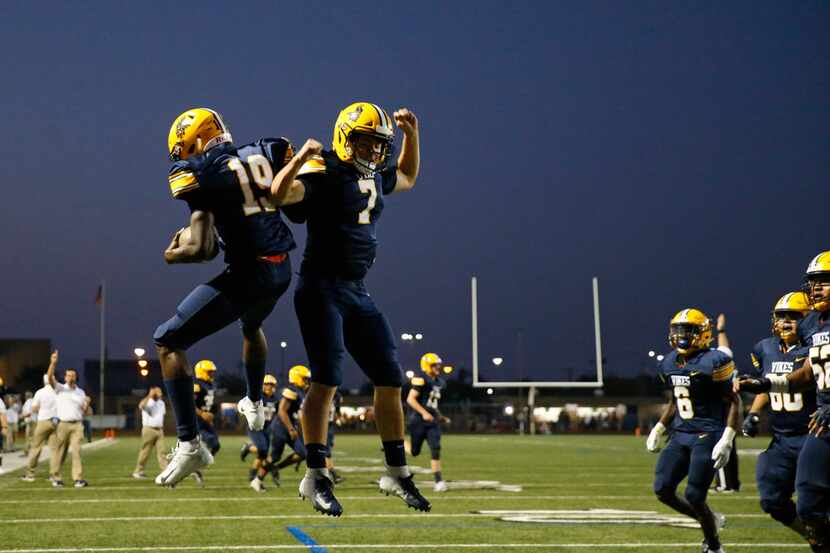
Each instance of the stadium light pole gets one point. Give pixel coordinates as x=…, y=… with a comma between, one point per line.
x=283, y=346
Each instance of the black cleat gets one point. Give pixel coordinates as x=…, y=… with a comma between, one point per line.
x=336, y=476
x=405, y=489
x=320, y=491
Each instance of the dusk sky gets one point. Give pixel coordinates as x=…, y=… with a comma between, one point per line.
x=678, y=151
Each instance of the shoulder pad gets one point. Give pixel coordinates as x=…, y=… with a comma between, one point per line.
x=288, y=393
x=418, y=381
x=722, y=369
x=314, y=165
x=196, y=388
x=755, y=361
x=181, y=178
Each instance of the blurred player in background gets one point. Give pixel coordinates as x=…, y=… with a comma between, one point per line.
x=812, y=479
x=425, y=419
x=341, y=194
x=334, y=420
x=703, y=414
x=227, y=189
x=204, y=398
x=286, y=426
x=261, y=439
x=789, y=415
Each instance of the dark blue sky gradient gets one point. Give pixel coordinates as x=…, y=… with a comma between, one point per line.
x=678, y=152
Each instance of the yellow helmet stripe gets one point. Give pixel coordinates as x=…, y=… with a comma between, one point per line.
x=383, y=119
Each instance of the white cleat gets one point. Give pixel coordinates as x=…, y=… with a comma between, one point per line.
x=139, y=475
x=440, y=486
x=186, y=458
x=254, y=413
x=257, y=486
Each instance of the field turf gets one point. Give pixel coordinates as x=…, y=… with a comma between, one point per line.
x=562, y=473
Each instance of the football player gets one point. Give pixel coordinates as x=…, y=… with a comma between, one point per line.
x=204, y=400
x=227, y=189
x=812, y=480
x=341, y=194
x=703, y=412
x=789, y=413
x=285, y=425
x=425, y=417
x=334, y=416
x=261, y=439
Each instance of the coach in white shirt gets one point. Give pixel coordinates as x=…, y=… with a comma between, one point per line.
x=152, y=430
x=4, y=424
x=72, y=404
x=44, y=407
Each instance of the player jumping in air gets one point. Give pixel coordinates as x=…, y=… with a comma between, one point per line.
x=703, y=413
x=341, y=194
x=228, y=191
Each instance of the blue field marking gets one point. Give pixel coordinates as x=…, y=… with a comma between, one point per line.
x=305, y=539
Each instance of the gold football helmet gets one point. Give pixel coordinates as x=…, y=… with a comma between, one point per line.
x=431, y=364
x=299, y=375
x=269, y=379
x=196, y=131
x=204, y=370
x=690, y=330
x=788, y=310
x=817, y=282
x=363, y=118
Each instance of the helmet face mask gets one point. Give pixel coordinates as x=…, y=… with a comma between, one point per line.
x=368, y=151
x=684, y=336
x=363, y=122
x=817, y=288
x=785, y=325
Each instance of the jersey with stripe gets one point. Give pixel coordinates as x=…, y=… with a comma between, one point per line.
x=819, y=343
x=699, y=383
x=808, y=325
x=341, y=207
x=429, y=392
x=235, y=185
x=269, y=405
x=790, y=412
x=203, y=395
x=294, y=395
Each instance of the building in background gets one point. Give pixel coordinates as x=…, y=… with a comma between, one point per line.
x=23, y=362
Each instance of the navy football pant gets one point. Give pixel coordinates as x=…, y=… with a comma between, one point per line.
x=687, y=454
x=208, y=434
x=775, y=474
x=262, y=440
x=337, y=316
x=280, y=438
x=246, y=292
x=420, y=431
x=812, y=481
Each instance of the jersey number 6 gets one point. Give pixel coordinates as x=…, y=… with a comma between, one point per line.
x=684, y=402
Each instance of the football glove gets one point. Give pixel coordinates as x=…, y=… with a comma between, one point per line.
x=653, y=440
x=723, y=449
x=753, y=384
x=751, y=424
x=820, y=421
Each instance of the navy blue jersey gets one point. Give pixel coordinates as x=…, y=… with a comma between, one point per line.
x=700, y=385
x=429, y=392
x=341, y=207
x=234, y=184
x=203, y=395
x=294, y=395
x=808, y=325
x=789, y=413
x=819, y=343
x=270, y=405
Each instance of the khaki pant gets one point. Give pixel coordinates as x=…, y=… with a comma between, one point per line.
x=70, y=435
x=44, y=434
x=151, y=438
x=30, y=433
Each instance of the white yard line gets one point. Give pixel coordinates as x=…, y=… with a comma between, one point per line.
x=268, y=517
x=547, y=546
x=252, y=497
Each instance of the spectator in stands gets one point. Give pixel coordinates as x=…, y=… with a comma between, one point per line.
x=29, y=420
x=72, y=403
x=152, y=431
x=44, y=408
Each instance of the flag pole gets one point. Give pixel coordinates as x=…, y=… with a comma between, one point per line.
x=103, y=352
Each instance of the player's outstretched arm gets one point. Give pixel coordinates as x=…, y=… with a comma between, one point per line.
x=285, y=188
x=53, y=364
x=797, y=381
x=409, y=162
x=199, y=246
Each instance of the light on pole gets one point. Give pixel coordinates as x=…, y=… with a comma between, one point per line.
x=139, y=352
x=497, y=361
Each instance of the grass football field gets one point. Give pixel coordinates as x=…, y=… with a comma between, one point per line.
x=563, y=477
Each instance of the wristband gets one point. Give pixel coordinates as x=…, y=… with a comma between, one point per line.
x=728, y=434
